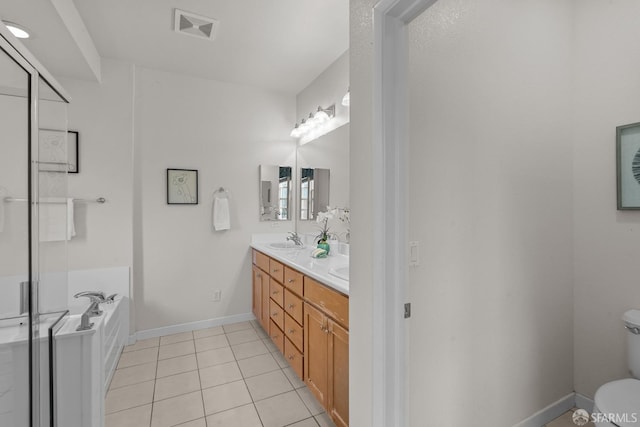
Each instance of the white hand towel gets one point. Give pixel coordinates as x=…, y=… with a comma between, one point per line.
x=71, y=226
x=221, y=217
x=56, y=219
x=3, y=194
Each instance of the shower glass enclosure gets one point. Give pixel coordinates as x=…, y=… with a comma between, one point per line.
x=33, y=233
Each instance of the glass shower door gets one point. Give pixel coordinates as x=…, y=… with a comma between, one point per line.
x=15, y=243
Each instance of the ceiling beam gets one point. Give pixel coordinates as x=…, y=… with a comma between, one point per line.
x=78, y=32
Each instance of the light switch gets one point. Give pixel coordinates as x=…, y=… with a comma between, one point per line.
x=414, y=254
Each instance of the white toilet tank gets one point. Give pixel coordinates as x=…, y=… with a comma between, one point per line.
x=632, y=323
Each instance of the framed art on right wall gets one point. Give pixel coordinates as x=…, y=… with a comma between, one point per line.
x=628, y=166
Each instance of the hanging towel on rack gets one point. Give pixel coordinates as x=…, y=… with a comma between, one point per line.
x=56, y=220
x=221, y=217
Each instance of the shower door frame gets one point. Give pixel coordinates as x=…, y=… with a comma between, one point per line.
x=18, y=53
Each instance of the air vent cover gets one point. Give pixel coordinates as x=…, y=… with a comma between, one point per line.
x=193, y=25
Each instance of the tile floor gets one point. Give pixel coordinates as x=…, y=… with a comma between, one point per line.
x=229, y=375
x=565, y=420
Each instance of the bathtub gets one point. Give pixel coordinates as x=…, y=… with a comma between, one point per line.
x=85, y=362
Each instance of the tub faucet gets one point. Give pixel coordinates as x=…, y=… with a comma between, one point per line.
x=96, y=298
x=295, y=238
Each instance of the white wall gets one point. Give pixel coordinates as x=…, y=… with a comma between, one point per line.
x=331, y=150
x=490, y=202
x=225, y=131
x=103, y=116
x=606, y=241
x=361, y=203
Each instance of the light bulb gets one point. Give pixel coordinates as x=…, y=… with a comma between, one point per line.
x=320, y=116
x=17, y=30
x=295, y=132
x=346, y=100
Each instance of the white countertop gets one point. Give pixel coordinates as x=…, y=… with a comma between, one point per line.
x=301, y=260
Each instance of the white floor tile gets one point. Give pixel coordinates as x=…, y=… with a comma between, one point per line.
x=219, y=374
x=210, y=343
x=138, y=357
x=235, y=327
x=133, y=375
x=226, y=396
x=215, y=357
x=177, y=410
x=134, y=417
x=267, y=385
x=242, y=336
x=243, y=416
x=175, y=385
x=310, y=401
x=293, y=378
x=129, y=397
x=176, y=365
x=177, y=349
x=249, y=349
x=309, y=422
x=209, y=332
x=257, y=365
x=142, y=344
x=174, y=338
x=282, y=410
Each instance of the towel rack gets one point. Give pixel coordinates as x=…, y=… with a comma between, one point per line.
x=20, y=199
x=221, y=190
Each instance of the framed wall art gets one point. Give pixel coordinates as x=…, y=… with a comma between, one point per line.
x=73, y=139
x=182, y=187
x=628, y=166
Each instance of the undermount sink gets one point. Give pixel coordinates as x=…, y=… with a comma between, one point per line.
x=340, y=272
x=285, y=245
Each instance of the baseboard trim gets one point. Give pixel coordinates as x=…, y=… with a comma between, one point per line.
x=549, y=413
x=583, y=402
x=191, y=326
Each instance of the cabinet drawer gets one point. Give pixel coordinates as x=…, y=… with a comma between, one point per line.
x=276, y=292
x=276, y=270
x=293, y=280
x=276, y=336
x=333, y=303
x=293, y=306
x=293, y=331
x=276, y=313
x=261, y=260
x=294, y=357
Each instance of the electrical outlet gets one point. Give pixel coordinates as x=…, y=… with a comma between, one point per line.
x=217, y=295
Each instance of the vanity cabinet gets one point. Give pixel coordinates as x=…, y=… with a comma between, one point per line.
x=308, y=323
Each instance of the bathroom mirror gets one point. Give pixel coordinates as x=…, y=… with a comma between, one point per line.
x=275, y=192
x=314, y=192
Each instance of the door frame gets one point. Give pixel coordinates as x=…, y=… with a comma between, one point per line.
x=390, y=201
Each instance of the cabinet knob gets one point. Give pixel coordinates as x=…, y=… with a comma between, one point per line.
x=275, y=313
x=259, y=276
x=275, y=337
x=291, y=280
x=275, y=292
x=275, y=270
x=291, y=331
x=291, y=305
x=291, y=357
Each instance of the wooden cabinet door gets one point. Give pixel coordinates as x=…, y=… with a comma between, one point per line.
x=264, y=314
x=257, y=293
x=338, y=381
x=315, y=350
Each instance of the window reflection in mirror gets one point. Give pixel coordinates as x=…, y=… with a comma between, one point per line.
x=314, y=192
x=275, y=192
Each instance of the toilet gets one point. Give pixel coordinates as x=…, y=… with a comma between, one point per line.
x=617, y=403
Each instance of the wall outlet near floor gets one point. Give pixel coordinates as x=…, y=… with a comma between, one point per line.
x=217, y=295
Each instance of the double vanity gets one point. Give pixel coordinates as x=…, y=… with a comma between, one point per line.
x=303, y=305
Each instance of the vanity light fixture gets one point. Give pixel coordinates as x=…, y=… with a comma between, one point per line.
x=346, y=100
x=17, y=30
x=314, y=122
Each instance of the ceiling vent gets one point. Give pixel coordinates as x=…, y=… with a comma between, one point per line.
x=194, y=25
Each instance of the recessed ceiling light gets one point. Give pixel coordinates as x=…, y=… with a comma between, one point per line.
x=17, y=30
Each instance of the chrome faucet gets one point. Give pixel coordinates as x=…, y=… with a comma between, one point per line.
x=295, y=238
x=96, y=298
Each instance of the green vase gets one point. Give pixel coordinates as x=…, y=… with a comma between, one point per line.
x=322, y=244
